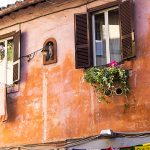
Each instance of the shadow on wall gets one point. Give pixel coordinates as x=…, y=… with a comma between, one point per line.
x=11, y=109
x=12, y=97
x=23, y=51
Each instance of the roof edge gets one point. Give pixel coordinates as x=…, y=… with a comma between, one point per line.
x=17, y=6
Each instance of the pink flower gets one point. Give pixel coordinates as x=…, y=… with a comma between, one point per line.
x=113, y=63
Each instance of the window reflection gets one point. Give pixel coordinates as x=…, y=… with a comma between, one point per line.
x=6, y=49
x=2, y=50
x=9, y=61
x=114, y=35
x=100, y=39
x=10, y=50
x=107, y=37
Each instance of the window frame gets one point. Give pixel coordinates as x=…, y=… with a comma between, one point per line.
x=16, y=38
x=6, y=58
x=84, y=38
x=106, y=20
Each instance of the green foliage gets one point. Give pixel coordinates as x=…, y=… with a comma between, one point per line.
x=10, y=50
x=107, y=78
x=2, y=55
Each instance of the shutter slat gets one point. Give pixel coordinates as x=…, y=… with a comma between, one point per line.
x=82, y=50
x=83, y=58
x=81, y=28
x=82, y=46
x=81, y=33
x=126, y=20
x=81, y=22
x=81, y=41
x=16, y=57
x=81, y=17
x=82, y=55
x=15, y=72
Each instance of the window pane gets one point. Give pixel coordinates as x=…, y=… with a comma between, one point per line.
x=100, y=39
x=10, y=61
x=114, y=35
x=10, y=50
x=2, y=63
x=2, y=51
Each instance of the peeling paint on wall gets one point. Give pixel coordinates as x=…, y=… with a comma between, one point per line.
x=54, y=102
x=44, y=100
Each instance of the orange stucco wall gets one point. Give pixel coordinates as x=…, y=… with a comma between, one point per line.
x=54, y=102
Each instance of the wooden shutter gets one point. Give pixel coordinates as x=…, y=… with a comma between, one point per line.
x=16, y=57
x=127, y=30
x=82, y=50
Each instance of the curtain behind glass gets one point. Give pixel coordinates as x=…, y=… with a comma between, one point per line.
x=100, y=39
x=114, y=35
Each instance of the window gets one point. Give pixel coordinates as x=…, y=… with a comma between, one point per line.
x=9, y=58
x=106, y=37
x=104, y=34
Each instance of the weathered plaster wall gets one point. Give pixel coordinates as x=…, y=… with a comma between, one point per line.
x=54, y=103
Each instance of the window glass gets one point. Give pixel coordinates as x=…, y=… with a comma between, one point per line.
x=2, y=62
x=100, y=39
x=2, y=51
x=106, y=37
x=114, y=35
x=10, y=50
x=6, y=49
x=10, y=61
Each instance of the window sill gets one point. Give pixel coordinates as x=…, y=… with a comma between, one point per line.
x=127, y=65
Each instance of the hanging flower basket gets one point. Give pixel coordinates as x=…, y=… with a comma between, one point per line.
x=108, y=80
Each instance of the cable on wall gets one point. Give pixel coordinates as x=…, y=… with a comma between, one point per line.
x=68, y=8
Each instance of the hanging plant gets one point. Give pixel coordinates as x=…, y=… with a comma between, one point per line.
x=108, y=80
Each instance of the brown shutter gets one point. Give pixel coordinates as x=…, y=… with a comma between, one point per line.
x=127, y=31
x=16, y=57
x=82, y=50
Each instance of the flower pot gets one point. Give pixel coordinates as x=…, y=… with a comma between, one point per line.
x=118, y=91
x=108, y=92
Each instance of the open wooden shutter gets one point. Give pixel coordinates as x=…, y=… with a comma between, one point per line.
x=16, y=57
x=82, y=50
x=127, y=30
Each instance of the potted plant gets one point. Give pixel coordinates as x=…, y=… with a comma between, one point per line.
x=108, y=80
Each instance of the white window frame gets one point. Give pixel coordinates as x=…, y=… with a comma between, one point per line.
x=105, y=11
x=5, y=58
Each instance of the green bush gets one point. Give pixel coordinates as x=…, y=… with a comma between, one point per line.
x=107, y=78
